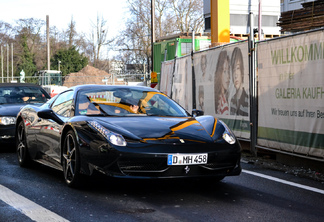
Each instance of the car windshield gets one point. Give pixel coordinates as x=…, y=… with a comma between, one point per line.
x=127, y=102
x=22, y=95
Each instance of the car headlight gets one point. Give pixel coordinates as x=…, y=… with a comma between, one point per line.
x=7, y=120
x=228, y=136
x=112, y=137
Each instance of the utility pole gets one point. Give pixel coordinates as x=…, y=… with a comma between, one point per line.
x=260, y=21
x=253, y=100
x=1, y=64
x=12, y=62
x=8, y=62
x=48, y=43
x=152, y=32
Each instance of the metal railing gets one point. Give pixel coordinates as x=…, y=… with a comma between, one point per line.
x=121, y=79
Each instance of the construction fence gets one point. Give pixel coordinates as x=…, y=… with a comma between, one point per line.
x=274, y=88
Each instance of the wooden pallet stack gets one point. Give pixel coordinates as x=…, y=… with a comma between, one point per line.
x=311, y=16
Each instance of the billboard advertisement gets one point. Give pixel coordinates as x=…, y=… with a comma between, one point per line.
x=291, y=94
x=222, y=85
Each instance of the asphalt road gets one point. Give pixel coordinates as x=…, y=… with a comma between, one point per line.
x=258, y=194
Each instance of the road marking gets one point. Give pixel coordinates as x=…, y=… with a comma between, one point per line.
x=40, y=214
x=27, y=207
x=284, y=181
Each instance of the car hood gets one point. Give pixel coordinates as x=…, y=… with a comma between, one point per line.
x=10, y=109
x=170, y=129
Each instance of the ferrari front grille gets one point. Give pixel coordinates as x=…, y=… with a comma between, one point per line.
x=138, y=166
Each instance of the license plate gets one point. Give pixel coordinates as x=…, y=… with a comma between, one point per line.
x=187, y=159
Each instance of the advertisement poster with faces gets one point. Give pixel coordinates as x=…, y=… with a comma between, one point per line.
x=221, y=80
x=291, y=94
x=222, y=85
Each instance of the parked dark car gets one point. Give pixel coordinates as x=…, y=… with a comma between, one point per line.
x=13, y=96
x=124, y=131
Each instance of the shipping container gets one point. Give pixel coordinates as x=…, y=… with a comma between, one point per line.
x=179, y=45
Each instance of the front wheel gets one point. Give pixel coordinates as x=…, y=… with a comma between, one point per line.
x=21, y=146
x=71, y=160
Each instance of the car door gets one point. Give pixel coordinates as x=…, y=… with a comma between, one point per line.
x=49, y=136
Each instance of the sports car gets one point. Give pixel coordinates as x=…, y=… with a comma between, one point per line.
x=13, y=96
x=124, y=131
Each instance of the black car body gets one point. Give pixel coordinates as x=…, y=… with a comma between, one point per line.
x=158, y=140
x=13, y=96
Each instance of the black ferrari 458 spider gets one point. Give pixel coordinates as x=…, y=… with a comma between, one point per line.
x=124, y=131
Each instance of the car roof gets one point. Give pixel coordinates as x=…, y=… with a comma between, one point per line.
x=17, y=84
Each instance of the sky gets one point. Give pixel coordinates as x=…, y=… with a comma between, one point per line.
x=60, y=12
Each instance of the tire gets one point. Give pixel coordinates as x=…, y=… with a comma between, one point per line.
x=71, y=160
x=24, y=159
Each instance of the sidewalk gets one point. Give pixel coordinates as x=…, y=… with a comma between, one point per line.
x=300, y=167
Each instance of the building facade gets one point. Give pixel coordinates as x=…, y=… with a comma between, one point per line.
x=239, y=16
x=289, y=5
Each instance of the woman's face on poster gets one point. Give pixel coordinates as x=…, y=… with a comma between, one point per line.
x=237, y=74
x=226, y=75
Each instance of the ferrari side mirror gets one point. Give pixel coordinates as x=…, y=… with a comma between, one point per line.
x=196, y=112
x=49, y=114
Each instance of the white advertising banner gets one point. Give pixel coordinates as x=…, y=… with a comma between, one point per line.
x=182, y=83
x=222, y=85
x=291, y=93
x=167, y=69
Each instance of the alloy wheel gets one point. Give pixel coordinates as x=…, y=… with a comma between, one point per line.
x=21, y=147
x=71, y=160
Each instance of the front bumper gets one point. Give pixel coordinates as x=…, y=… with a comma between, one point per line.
x=7, y=134
x=151, y=161
x=156, y=167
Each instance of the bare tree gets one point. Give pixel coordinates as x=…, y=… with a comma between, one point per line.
x=32, y=29
x=71, y=33
x=98, y=38
x=160, y=17
x=6, y=33
x=173, y=16
x=134, y=41
x=188, y=15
